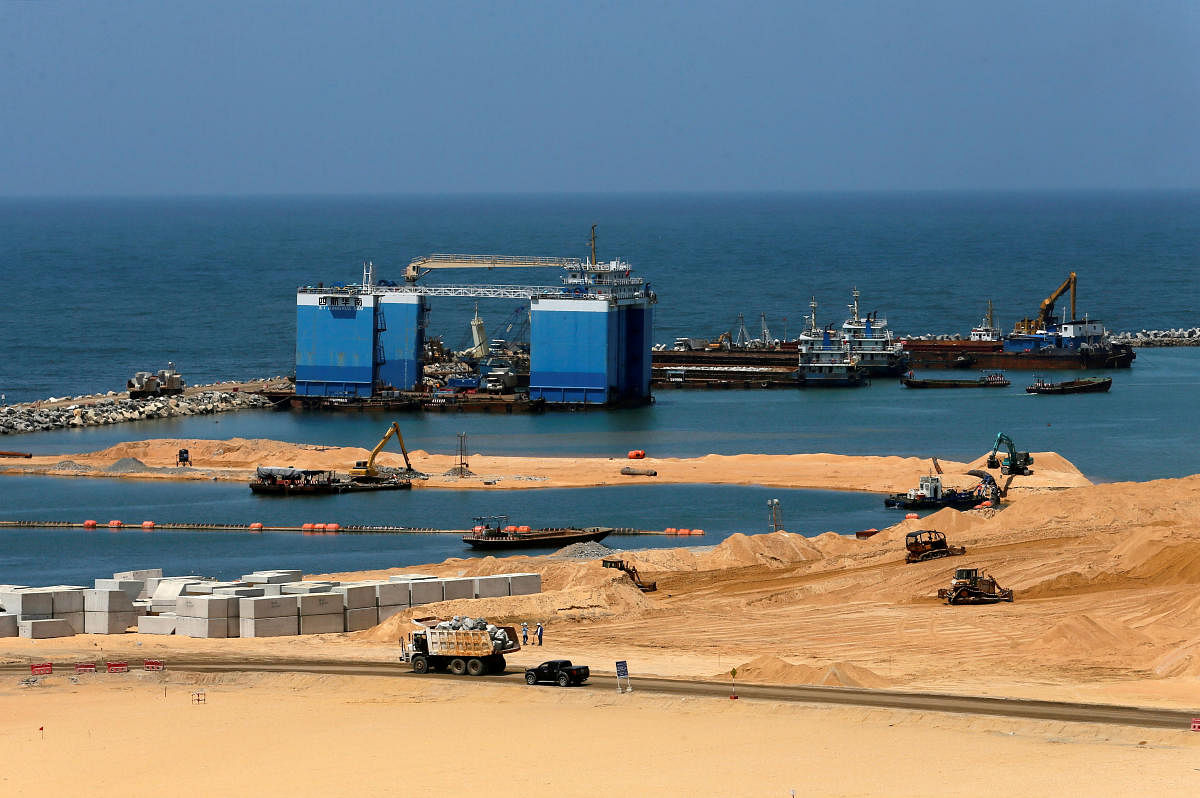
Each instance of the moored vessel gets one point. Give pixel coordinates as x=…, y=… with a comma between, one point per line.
x=1084, y=385
x=494, y=532
x=994, y=379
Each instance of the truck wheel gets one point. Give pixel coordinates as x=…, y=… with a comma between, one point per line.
x=530, y=677
x=458, y=666
x=420, y=665
x=475, y=667
x=563, y=680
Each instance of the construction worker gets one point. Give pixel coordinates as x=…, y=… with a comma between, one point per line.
x=539, y=632
x=524, y=633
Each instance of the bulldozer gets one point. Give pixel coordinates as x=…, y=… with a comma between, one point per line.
x=1016, y=463
x=973, y=586
x=367, y=471
x=929, y=544
x=632, y=571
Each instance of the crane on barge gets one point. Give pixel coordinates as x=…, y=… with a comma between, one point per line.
x=1046, y=312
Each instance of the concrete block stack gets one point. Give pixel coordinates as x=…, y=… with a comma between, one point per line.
x=67, y=604
x=321, y=613
x=425, y=591
x=391, y=598
x=157, y=624
x=268, y=616
x=29, y=603
x=131, y=587
x=240, y=592
x=297, y=588
x=272, y=577
x=361, y=605
x=168, y=590
x=44, y=628
x=491, y=586
x=207, y=616
x=8, y=624
x=453, y=589
x=143, y=575
x=524, y=584
x=107, y=612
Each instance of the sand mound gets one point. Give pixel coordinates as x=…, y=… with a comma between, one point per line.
x=576, y=604
x=1181, y=661
x=1085, y=633
x=769, y=669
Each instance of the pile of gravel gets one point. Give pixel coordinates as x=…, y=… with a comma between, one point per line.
x=69, y=465
x=127, y=465
x=588, y=550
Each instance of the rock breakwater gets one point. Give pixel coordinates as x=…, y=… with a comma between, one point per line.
x=33, y=418
x=1151, y=338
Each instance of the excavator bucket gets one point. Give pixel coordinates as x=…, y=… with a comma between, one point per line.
x=993, y=461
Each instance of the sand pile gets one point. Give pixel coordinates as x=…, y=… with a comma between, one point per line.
x=614, y=598
x=1086, y=633
x=770, y=669
x=1181, y=661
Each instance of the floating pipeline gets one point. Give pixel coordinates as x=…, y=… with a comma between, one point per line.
x=325, y=528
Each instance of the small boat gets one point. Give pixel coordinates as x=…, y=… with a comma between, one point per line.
x=494, y=532
x=1085, y=385
x=994, y=379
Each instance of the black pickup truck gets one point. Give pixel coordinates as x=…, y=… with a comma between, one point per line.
x=559, y=671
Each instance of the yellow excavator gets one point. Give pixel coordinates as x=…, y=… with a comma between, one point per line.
x=365, y=470
x=1046, y=312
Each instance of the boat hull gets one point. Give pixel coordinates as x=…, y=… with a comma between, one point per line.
x=911, y=383
x=325, y=490
x=554, y=538
x=1073, y=386
x=991, y=355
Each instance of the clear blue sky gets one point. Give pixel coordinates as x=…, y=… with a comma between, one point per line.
x=369, y=97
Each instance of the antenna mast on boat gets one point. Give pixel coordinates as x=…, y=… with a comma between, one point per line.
x=593, y=242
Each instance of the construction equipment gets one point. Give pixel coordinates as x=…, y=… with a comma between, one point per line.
x=929, y=544
x=1046, y=312
x=469, y=645
x=1016, y=462
x=721, y=344
x=632, y=571
x=987, y=488
x=419, y=267
x=365, y=470
x=973, y=586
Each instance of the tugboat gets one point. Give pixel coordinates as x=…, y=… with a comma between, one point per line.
x=494, y=532
x=871, y=341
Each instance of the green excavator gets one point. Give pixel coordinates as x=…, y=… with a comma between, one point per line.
x=1016, y=463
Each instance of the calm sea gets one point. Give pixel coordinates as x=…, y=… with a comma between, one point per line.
x=98, y=289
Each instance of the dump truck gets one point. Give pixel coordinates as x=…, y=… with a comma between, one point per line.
x=973, y=586
x=475, y=648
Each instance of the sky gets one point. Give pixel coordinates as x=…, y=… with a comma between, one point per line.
x=233, y=98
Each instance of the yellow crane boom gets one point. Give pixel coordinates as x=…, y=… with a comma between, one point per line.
x=366, y=468
x=1046, y=312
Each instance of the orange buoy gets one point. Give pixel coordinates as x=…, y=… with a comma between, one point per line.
x=333, y=527
x=307, y=527
x=524, y=528
x=682, y=531
x=697, y=531
x=510, y=528
x=477, y=529
x=147, y=525
x=319, y=527
x=670, y=531
x=89, y=524
x=636, y=454
x=256, y=526
x=911, y=516
x=116, y=524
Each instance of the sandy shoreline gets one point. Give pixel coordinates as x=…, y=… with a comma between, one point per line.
x=236, y=459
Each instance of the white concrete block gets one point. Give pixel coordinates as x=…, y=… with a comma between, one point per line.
x=207, y=607
x=357, y=596
x=141, y=607
x=387, y=611
x=458, y=589
x=40, y=630
x=307, y=587
x=270, y=590
x=156, y=624
x=233, y=627
x=491, y=586
x=201, y=627
x=65, y=598
x=75, y=619
x=131, y=587
x=171, y=588
x=27, y=602
x=425, y=592
x=410, y=577
x=8, y=624
x=241, y=592
x=321, y=604
x=524, y=584
x=268, y=607
x=272, y=577
x=359, y=618
x=143, y=574
x=208, y=588
x=268, y=627
x=108, y=623
x=322, y=624
x=107, y=601
x=391, y=594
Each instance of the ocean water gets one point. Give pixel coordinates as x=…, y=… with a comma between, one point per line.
x=98, y=289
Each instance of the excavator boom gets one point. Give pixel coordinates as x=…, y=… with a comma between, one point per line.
x=366, y=468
